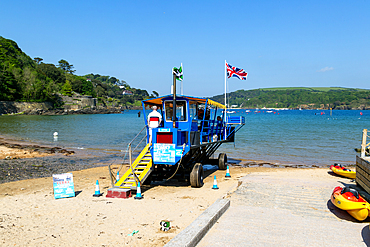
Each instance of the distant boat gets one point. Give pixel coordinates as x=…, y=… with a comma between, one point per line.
x=269, y=111
x=230, y=112
x=247, y=111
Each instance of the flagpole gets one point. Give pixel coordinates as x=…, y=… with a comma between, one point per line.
x=174, y=101
x=225, y=100
x=225, y=83
x=182, y=68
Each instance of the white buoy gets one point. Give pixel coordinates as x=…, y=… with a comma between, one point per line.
x=55, y=133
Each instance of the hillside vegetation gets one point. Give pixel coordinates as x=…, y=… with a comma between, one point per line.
x=306, y=98
x=31, y=80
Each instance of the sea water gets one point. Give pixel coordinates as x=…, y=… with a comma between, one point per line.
x=308, y=137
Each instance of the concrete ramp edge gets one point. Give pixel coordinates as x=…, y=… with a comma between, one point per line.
x=192, y=234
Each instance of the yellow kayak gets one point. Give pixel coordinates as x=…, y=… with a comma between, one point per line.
x=349, y=199
x=342, y=171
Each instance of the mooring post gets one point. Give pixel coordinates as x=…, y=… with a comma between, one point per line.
x=363, y=145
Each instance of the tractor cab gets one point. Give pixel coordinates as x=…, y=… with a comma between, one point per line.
x=197, y=122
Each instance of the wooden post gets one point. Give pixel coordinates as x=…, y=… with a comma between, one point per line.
x=363, y=145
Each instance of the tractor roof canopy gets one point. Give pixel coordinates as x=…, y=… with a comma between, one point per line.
x=158, y=101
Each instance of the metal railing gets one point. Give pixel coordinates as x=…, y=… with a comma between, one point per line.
x=128, y=151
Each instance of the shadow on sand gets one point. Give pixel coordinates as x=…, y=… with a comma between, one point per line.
x=366, y=235
x=175, y=182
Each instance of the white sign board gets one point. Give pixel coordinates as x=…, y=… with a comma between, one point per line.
x=164, y=153
x=63, y=185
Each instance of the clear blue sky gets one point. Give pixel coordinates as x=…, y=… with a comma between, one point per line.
x=279, y=43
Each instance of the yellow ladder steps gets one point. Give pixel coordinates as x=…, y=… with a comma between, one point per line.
x=142, y=168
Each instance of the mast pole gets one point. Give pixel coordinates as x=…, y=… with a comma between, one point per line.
x=182, y=90
x=174, y=100
x=225, y=101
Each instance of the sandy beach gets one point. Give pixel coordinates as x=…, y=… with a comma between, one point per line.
x=30, y=216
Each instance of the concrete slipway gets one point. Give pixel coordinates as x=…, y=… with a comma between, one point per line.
x=286, y=207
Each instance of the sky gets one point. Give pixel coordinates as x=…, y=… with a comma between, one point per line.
x=279, y=43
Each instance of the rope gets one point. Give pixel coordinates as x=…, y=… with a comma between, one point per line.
x=183, y=150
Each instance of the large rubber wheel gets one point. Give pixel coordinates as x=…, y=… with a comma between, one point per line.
x=222, y=161
x=196, y=176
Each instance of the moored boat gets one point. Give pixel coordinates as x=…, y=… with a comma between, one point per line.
x=350, y=200
x=342, y=171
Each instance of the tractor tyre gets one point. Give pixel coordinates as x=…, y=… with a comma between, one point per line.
x=222, y=161
x=196, y=176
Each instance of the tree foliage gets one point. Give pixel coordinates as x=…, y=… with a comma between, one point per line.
x=26, y=79
x=107, y=87
x=20, y=80
x=53, y=73
x=67, y=89
x=64, y=65
x=336, y=98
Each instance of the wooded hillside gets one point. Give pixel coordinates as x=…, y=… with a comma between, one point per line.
x=306, y=98
x=31, y=80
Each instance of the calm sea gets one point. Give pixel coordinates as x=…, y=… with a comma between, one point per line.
x=308, y=137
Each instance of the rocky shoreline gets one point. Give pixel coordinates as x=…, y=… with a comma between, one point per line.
x=29, y=168
x=53, y=160
x=46, y=108
x=36, y=148
x=61, y=111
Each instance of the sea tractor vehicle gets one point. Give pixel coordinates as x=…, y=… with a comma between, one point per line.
x=191, y=130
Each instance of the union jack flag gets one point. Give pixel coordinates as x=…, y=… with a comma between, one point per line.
x=236, y=72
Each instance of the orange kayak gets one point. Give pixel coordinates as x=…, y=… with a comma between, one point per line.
x=350, y=200
x=342, y=171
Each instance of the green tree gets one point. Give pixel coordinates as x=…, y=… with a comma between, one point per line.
x=38, y=60
x=67, y=89
x=53, y=73
x=64, y=65
x=8, y=86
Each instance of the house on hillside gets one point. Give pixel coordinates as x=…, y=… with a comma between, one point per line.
x=126, y=92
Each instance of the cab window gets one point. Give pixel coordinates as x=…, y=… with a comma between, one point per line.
x=180, y=110
x=193, y=110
